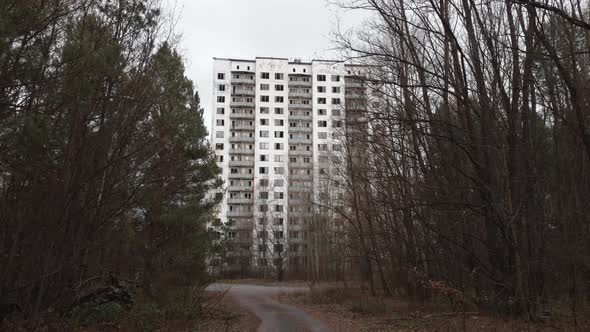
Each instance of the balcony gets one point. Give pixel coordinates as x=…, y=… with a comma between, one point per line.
x=299, y=140
x=307, y=177
x=238, y=214
x=356, y=119
x=300, y=106
x=356, y=106
x=300, y=165
x=243, y=92
x=238, y=176
x=301, y=117
x=300, y=153
x=241, y=151
x=249, y=104
x=355, y=96
x=299, y=201
x=299, y=189
x=243, y=80
x=241, y=163
x=353, y=84
x=241, y=116
x=245, y=201
x=243, y=127
x=300, y=94
x=300, y=214
x=240, y=139
x=300, y=83
x=240, y=188
x=300, y=129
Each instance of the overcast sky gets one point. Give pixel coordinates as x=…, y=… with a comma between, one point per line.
x=250, y=28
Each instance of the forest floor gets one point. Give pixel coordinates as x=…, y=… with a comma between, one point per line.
x=350, y=310
x=229, y=316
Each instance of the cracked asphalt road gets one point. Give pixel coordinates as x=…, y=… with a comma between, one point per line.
x=274, y=316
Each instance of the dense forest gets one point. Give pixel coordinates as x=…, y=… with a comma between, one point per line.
x=468, y=173
x=106, y=178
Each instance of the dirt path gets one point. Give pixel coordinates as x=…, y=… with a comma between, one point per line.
x=274, y=316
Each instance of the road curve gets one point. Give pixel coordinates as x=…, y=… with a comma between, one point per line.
x=274, y=316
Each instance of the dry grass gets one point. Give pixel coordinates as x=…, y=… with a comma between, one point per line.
x=351, y=310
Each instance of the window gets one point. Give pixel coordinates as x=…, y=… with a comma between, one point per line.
x=263, y=194
x=263, y=182
x=264, y=122
x=279, y=134
x=323, y=135
x=219, y=134
x=336, y=112
x=278, y=76
x=279, y=99
x=279, y=122
x=263, y=157
x=265, y=76
x=220, y=110
x=279, y=158
x=278, y=221
x=321, y=100
x=264, y=133
x=220, y=76
x=263, y=170
x=220, y=122
x=221, y=87
x=264, y=110
x=221, y=99
x=279, y=87
x=323, y=147
x=278, y=183
x=279, y=110
x=263, y=145
x=322, y=112
x=278, y=146
x=264, y=98
x=336, y=147
x=321, y=89
x=219, y=146
x=263, y=208
x=264, y=87
x=335, y=89
x=335, y=101
x=335, y=78
x=279, y=170
x=321, y=78
x=322, y=123
x=337, y=124
x=292, y=147
x=219, y=158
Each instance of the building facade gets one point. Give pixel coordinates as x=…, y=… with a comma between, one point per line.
x=275, y=132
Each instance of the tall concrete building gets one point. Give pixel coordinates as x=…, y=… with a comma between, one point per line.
x=275, y=128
